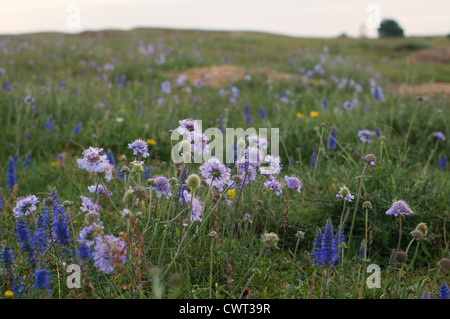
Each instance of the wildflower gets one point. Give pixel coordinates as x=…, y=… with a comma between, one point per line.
x=444, y=263
x=7, y=257
x=42, y=279
x=262, y=113
x=328, y=248
x=367, y=205
x=442, y=163
x=315, y=257
x=92, y=160
x=88, y=234
x=180, y=81
x=139, y=147
x=88, y=205
x=258, y=141
x=417, y=234
x=300, y=235
x=161, y=187
x=274, y=185
x=370, y=159
x=293, y=182
x=11, y=173
x=439, y=135
x=443, y=291
x=314, y=114
x=270, y=240
x=332, y=138
x=344, y=192
x=399, y=208
x=9, y=294
x=165, y=87
x=274, y=167
x=109, y=252
x=215, y=173
x=25, y=205
x=401, y=256
x=49, y=125
x=110, y=157
x=313, y=160
x=300, y=115
x=231, y=193
x=366, y=136
x=193, y=181
x=197, y=206
x=77, y=128
x=151, y=142
x=187, y=126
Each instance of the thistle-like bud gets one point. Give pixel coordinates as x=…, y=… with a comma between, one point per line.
x=193, y=181
x=370, y=159
x=173, y=181
x=270, y=240
x=444, y=263
x=67, y=203
x=139, y=192
x=300, y=234
x=237, y=179
x=417, y=234
x=150, y=182
x=137, y=166
x=423, y=228
x=139, y=214
x=49, y=201
x=214, y=234
x=124, y=170
x=367, y=205
x=401, y=256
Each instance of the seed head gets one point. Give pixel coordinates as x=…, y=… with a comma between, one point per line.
x=367, y=205
x=417, y=234
x=270, y=240
x=401, y=256
x=444, y=263
x=193, y=181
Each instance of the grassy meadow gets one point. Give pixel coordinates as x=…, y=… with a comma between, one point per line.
x=334, y=102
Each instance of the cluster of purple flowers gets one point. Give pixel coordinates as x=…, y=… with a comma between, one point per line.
x=216, y=173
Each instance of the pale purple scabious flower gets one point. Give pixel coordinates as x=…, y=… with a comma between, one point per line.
x=88, y=206
x=187, y=126
x=439, y=135
x=92, y=160
x=399, y=208
x=366, y=136
x=256, y=140
x=139, y=147
x=274, y=167
x=165, y=87
x=293, y=182
x=162, y=187
x=25, y=205
x=274, y=185
x=109, y=252
x=197, y=206
x=89, y=234
x=246, y=172
x=200, y=145
x=100, y=189
x=216, y=173
x=109, y=169
x=180, y=81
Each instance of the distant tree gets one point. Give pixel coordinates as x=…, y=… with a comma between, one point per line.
x=389, y=28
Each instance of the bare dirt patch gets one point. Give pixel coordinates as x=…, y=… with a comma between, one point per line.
x=427, y=89
x=218, y=75
x=431, y=56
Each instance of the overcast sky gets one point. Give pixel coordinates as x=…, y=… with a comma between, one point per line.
x=308, y=18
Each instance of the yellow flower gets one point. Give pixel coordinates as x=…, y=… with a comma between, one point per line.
x=231, y=193
x=54, y=164
x=151, y=142
x=300, y=115
x=314, y=114
x=9, y=294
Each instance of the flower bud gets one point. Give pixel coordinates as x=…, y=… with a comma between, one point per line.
x=401, y=256
x=193, y=181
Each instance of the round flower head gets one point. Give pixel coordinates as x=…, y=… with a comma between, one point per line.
x=200, y=145
x=215, y=173
x=439, y=135
x=401, y=256
x=197, y=206
x=417, y=234
x=399, y=208
x=444, y=263
x=92, y=161
x=193, y=181
x=88, y=206
x=109, y=252
x=293, y=182
x=366, y=136
x=370, y=159
x=139, y=147
x=25, y=205
x=270, y=240
x=274, y=167
x=162, y=187
x=274, y=185
x=187, y=126
x=344, y=192
x=256, y=140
